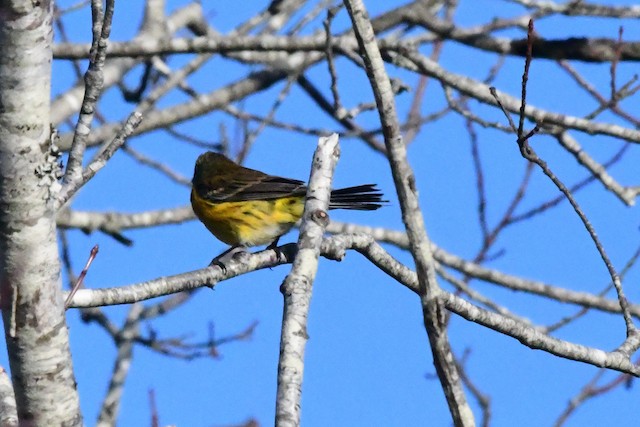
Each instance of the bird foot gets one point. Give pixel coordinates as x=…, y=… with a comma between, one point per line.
x=231, y=254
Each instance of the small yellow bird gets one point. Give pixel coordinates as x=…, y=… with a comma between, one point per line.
x=245, y=207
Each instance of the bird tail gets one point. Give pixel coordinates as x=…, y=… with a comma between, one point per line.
x=361, y=198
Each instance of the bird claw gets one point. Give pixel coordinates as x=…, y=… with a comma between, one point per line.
x=231, y=254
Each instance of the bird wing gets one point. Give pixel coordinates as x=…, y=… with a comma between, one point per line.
x=251, y=187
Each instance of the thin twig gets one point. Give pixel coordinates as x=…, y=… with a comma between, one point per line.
x=337, y=104
x=528, y=153
x=159, y=166
x=80, y=279
x=614, y=67
x=525, y=77
x=102, y=158
x=153, y=407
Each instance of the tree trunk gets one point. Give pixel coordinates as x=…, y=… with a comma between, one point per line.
x=30, y=284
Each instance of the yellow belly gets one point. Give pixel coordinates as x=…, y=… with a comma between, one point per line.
x=251, y=223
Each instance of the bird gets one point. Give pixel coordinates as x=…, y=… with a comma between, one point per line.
x=244, y=207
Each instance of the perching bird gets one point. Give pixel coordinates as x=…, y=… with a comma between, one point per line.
x=245, y=207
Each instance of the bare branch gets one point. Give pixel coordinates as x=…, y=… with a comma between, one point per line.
x=101, y=160
x=83, y=273
x=582, y=8
x=480, y=92
x=297, y=286
x=433, y=314
x=111, y=403
x=335, y=248
x=575, y=48
x=94, y=82
x=633, y=334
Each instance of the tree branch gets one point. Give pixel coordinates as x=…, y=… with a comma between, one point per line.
x=419, y=243
x=297, y=286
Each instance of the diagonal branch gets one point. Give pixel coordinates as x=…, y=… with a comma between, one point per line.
x=94, y=82
x=434, y=313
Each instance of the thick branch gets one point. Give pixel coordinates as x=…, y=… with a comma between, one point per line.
x=572, y=48
x=297, y=286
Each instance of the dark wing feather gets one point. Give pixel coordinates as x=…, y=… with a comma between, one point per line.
x=249, y=186
x=218, y=179
x=267, y=187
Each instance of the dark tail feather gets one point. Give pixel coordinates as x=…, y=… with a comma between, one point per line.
x=361, y=198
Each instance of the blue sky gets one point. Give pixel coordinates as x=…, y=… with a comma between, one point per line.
x=368, y=361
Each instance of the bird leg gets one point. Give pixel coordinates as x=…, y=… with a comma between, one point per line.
x=274, y=244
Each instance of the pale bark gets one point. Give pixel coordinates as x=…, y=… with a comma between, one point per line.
x=30, y=283
x=297, y=286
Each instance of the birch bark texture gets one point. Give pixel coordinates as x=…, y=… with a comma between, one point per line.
x=30, y=283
